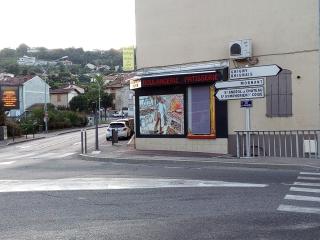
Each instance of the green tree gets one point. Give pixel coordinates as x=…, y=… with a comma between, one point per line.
x=79, y=103
x=22, y=49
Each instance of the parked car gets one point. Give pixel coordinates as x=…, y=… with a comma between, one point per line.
x=129, y=122
x=118, y=114
x=123, y=129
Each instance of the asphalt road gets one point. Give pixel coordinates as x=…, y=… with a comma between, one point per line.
x=47, y=192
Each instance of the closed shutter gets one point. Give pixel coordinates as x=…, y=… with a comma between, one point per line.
x=200, y=110
x=279, y=94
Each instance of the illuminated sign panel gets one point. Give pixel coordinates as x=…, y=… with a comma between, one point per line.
x=10, y=97
x=189, y=79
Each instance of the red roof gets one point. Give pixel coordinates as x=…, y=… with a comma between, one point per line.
x=15, y=81
x=63, y=91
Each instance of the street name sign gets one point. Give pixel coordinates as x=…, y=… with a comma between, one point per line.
x=246, y=103
x=240, y=83
x=252, y=72
x=240, y=93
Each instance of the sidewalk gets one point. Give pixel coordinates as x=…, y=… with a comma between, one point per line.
x=123, y=153
x=38, y=136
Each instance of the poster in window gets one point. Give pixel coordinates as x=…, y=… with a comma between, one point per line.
x=162, y=114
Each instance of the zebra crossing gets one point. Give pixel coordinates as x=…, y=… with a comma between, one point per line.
x=304, y=196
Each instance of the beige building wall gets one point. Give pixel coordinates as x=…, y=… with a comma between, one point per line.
x=63, y=99
x=183, y=31
x=283, y=32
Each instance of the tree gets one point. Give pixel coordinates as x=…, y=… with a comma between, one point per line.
x=22, y=49
x=106, y=100
x=13, y=68
x=79, y=103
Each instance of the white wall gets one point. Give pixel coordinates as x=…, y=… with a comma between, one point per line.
x=35, y=91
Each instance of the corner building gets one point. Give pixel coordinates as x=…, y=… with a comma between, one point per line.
x=183, y=49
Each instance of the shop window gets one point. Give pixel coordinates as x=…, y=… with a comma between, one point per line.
x=161, y=115
x=279, y=94
x=200, y=112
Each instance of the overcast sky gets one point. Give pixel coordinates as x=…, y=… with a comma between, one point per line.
x=90, y=24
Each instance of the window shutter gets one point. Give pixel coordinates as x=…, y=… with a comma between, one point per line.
x=279, y=94
x=200, y=110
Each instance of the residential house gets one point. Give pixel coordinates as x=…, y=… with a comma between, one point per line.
x=27, y=61
x=119, y=88
x=62, y=96
x=30, y=90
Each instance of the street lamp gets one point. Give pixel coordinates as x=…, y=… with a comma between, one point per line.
x=45, y=92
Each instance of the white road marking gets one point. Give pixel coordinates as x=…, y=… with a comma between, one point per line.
x=111, y=183
x=21, y=156
x=96, y=152
x=307, y=184
x=23, y=147
x=7, y=163
x=299, y=189
x=309, y=173
x=302, y=198
x=45, y=155
x=309, y=178
x=77, y=143
x=66, y=155
x=290, y=208
x=172, y=167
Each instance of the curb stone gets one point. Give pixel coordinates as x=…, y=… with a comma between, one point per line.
x=198, y=161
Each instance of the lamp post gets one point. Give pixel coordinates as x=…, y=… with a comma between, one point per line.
x=46, y=118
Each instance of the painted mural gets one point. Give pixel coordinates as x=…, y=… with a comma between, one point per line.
x=162, y=114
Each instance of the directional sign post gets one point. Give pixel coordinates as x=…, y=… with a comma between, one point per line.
x=252, y=72
x=240, y=93
x=251, y=88
x=240, y=83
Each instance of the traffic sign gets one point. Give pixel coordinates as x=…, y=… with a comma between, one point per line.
x=247, y=103
x=252, y=72
x=240, y=83
x=240, y=93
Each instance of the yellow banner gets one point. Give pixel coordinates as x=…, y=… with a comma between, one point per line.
x=128, y=58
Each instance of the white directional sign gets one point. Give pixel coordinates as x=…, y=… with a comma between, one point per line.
x=252, y=72
x=240, y=83
x=240, y=93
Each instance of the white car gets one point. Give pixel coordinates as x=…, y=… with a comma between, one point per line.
x=124, y=131
x=118, y=114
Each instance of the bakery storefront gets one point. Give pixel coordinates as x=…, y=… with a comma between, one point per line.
x=179, y=112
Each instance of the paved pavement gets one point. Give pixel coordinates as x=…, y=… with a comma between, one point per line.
x=123, y=152
x=42, y=135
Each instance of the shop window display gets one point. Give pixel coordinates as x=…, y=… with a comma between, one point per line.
x=162, y=114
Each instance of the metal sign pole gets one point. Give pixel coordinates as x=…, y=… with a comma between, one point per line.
x=97, y=132
x=248, y=129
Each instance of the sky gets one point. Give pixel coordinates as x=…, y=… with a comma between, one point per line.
x=90, y=24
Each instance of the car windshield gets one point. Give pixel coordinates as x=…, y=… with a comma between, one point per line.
x=117, y=125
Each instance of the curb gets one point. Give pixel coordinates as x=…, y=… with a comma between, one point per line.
x=78, y=130
x=48, y=136
x=198, y=161
x=23, y=141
